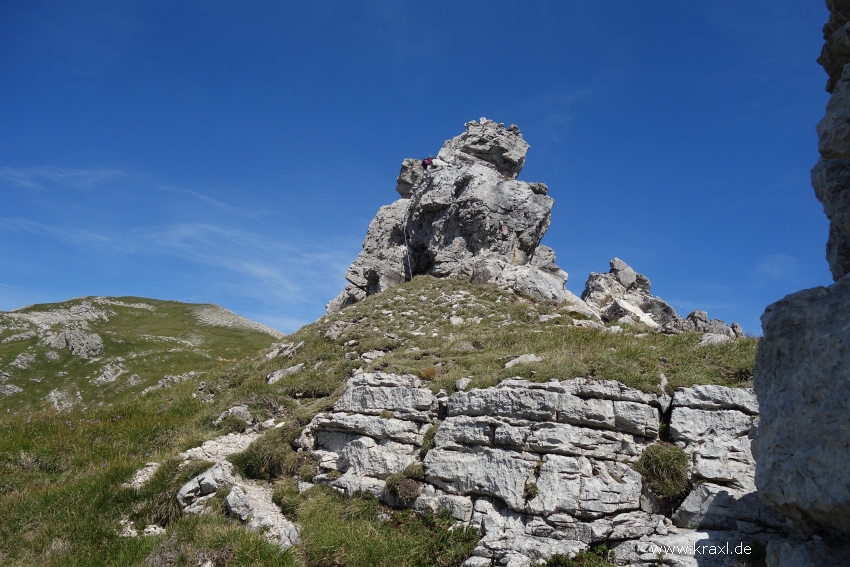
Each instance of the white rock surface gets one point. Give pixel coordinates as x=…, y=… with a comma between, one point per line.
x=275, y=376
x=523, y=359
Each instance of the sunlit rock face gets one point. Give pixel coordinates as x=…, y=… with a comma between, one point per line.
x=464, y=216
x=543, y=469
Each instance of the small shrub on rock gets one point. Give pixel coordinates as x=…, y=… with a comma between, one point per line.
x=271, y=455
x=404, y=488
x=428, y=441
x=408, y=490
x=665, y=468
x=415, y=471
x=393, y=481
x=530, y=491
x=307, y=472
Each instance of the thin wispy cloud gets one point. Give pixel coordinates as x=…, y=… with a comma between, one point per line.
x=292, y=269
x=285, y=274
x=220, y=205
x=777, y=267
x=39, y=177
x=65, y=234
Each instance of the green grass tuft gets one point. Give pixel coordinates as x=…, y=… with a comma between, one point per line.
x=363, y=533
x=598, y=556
x=272, y=455
x=665, y=468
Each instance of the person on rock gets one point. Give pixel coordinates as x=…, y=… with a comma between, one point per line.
x=427, y=162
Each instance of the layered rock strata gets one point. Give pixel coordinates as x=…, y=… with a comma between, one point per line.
x=801, y=375
x=542, y=469
x=467, y=217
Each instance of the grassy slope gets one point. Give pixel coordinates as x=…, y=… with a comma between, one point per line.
x=150, y=344
x=509, y=327
x=60, y=473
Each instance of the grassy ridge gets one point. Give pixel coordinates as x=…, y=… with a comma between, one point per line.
x=509, y=326
x=146, y=344
x=61, y=473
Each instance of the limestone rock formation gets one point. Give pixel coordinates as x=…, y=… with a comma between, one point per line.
x=622, y=292
x=802, y=380
x=831, y=175
x=465, y=217
x=803, y=384
x=547, y=468
x=79, y=342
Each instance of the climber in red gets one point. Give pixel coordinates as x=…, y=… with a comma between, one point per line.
x=428, y=161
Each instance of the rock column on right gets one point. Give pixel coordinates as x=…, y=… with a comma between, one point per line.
x=802, y=375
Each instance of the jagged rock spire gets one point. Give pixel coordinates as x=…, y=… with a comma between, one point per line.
x=467, y=217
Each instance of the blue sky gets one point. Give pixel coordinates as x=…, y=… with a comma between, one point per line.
x=235, y=152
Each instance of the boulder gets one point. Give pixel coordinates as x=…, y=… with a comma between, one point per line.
x=241, y=412
x=523, y=359
x=803, y=384
x=278, y=375
x=238, y=504
x=80, y=343
x=193, y=495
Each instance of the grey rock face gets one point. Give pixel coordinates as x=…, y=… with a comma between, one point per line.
x=836, y=50
x=383, y=262
x=698, y=321
x=10, y=389
x=23, y=360
x=802, y=378
x=622, y=292
x=465, y=217
x=25, y=336
x=547, y=468
x=411, y=171
x=812, y=553
x=803, y=443
x=715, y=426
x=831, y=176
